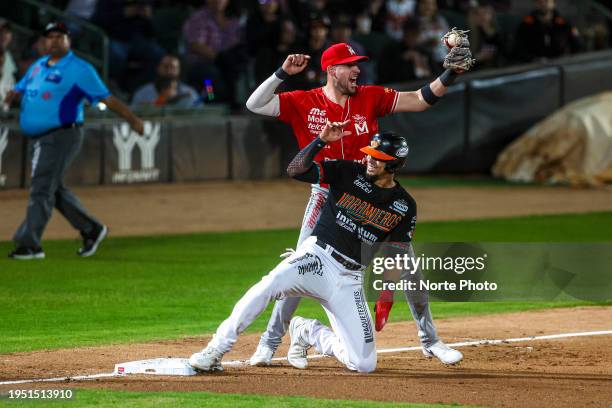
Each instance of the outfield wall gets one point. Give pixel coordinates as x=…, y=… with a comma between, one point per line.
x=464, y=133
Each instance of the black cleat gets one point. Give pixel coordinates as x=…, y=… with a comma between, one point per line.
x=25, y=253
x=91, y=242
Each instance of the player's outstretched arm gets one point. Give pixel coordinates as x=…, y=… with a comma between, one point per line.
x=122, y=110
x=263, y=100
x=302, y=167
x=458, y=61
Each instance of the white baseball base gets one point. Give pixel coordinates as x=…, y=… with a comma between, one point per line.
x=156, y=366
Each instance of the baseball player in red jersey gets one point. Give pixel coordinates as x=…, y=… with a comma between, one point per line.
x=342, y=100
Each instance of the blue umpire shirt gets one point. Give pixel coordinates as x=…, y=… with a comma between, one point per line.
x=53, y=96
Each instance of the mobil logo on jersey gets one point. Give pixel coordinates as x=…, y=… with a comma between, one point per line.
x=361, y=124
x=316, y=120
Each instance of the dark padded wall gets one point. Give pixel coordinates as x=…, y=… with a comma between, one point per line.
x=199, y=150
x=435, y=136
x=502, y=108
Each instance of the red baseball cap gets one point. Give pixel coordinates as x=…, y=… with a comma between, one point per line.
x=338, y=54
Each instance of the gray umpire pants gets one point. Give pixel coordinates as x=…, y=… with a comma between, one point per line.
x=52, y=155
x=418, y=301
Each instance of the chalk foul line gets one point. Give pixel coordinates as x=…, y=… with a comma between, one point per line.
x=235, y=363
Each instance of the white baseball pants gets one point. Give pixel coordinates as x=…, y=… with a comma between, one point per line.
x=312, y=272
x=285, y=308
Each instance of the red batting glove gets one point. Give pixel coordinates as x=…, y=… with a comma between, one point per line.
x=383, y=308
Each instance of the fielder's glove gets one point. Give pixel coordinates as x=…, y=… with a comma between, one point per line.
x=383, y=308
x=459, y=57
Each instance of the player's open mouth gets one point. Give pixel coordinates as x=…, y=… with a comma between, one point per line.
x=353, y=81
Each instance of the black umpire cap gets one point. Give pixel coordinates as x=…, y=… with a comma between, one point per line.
x=56, y=26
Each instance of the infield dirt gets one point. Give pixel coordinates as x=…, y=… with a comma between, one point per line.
x=235, y=206
x=562, y=373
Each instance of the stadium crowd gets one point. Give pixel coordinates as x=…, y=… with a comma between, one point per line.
x=184, y=53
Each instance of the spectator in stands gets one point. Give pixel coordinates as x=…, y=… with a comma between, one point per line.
x=263, y=25
x=398, y=11
x=313, y=76
x=215, y=51
x=405, y=60
x=303, y=10
x=486, y=39
x=342, y=32
x=8, y=68
x=272, y=55
x=433, y=27
x=167, y=89
x=83, y=9
x=545, y=34
x=134, y=54
x=371, y=15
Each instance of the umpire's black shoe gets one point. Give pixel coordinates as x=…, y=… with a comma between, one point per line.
x=25, y=253
x=91, y=242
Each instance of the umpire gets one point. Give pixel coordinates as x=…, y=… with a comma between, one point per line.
x=52, y=96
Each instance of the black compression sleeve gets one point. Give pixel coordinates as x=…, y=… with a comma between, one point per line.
x=448, y=77
x=281, y=74
x=303, y=161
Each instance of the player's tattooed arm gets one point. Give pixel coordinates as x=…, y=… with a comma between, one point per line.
x=303, y=167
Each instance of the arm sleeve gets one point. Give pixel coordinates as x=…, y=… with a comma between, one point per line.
x=384, y=100
x=91, y=84
x=302, y=166
x=263, y=100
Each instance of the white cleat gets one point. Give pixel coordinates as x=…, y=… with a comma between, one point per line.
x=299, y=346
x=262, y=356
x=444, y=353
x=208, y=360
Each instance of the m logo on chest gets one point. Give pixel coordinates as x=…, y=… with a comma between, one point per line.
x=361, y=124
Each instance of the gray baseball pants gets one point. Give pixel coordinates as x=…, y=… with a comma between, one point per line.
x=52, y=155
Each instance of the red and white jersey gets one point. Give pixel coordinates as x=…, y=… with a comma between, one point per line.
x=307, y=112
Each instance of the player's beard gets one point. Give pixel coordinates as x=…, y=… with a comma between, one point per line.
x=345, y=88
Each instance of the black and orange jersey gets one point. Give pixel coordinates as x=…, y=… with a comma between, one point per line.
x=358, y=212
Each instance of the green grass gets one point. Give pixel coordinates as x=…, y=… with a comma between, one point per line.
x=459, y=181
x=150, y=288
x=109, y=398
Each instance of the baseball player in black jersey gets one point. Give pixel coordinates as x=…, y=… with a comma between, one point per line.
x=366, y=206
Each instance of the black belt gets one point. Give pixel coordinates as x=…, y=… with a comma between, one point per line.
x=68, y=126
x=341, y=259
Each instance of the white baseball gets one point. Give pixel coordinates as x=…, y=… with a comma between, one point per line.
x=453, y=40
